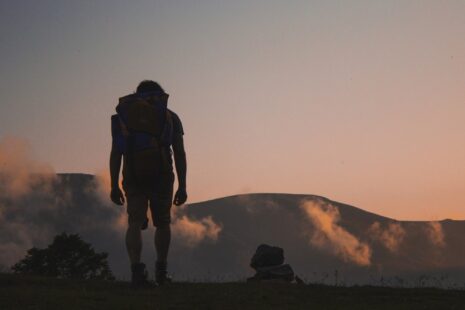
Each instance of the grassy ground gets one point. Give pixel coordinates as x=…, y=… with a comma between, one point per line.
x=41, y=293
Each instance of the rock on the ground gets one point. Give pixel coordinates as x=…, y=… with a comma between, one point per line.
x=267, y=256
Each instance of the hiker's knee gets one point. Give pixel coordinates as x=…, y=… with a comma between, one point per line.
x=134, y=225
x=162, y=222
x=161, y=212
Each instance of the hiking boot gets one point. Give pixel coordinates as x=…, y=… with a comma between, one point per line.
x=161, y=274
x=139, y=275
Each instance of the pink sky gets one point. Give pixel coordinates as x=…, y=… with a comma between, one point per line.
x=361, y=103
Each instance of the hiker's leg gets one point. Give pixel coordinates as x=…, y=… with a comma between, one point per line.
x=162, y=221
x=160, y=206
x=134, y=242
x=134, y=247
x=162, y=242
x=161, y=209
x=162, y=238
x=137, y=205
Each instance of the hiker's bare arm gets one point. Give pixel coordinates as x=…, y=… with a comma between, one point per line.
x=180, y=160
x=181, y=169
x=115, y=165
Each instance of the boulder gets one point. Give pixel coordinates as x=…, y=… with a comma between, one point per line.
x=280, y=272
x=268, y=263
x=267, y=256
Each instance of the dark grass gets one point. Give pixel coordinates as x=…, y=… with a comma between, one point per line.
x=21, y=292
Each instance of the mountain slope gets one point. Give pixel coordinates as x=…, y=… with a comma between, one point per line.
x=214, y=240
x=279, y=219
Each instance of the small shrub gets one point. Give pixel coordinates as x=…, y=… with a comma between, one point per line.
x=67, y=257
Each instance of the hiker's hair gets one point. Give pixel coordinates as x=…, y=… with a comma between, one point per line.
x=149, y=85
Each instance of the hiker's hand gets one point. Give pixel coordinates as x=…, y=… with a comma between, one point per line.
x=117, y=196
x=180, y=197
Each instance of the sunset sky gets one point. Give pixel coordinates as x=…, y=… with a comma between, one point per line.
x=359, y=101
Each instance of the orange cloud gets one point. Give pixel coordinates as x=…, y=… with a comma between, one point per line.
x=329, y=234
x=193, y=231
x=436, y=233
x=391, y=237
x=19, y=172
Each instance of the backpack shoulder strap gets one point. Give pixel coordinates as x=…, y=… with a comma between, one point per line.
x=124, y=128
x=169, y=118
x=167, y=133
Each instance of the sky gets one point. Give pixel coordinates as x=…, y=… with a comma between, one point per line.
x=362, y=102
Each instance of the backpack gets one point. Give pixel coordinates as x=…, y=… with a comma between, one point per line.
x=147, y=130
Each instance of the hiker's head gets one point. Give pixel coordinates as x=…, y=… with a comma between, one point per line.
x=148, y=85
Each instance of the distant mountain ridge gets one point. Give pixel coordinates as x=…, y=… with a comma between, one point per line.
x=215, y=239
x=278, y=219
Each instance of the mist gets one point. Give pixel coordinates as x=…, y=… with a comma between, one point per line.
x=329, y=235
x=36, y=204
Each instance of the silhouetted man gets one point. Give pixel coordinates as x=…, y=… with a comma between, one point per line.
x=144, y=131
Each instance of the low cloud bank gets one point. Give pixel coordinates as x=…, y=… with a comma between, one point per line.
x=192, y=231
x=436, y=234
x=36, y=204
x=20, y=175
x=390, y=237
x=19, y=171
x=328, y=234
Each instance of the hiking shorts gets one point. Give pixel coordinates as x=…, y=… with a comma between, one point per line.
x=159, y=201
